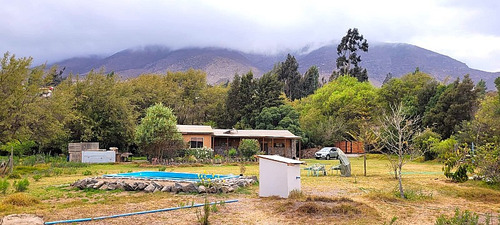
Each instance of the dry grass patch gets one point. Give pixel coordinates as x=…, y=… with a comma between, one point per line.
x=320, y=209
x=21, y=199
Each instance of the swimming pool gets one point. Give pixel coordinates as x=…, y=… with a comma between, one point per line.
x=171, y=176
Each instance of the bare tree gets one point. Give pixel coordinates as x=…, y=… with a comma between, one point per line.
x=396, y=134
x=367, y=136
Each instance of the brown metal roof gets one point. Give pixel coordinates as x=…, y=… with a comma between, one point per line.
x=195, y=129
x=254, y=133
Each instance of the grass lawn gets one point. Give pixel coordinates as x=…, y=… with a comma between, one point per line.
x=327, y=199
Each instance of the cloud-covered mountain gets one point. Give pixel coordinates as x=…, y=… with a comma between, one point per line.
x=221, y=64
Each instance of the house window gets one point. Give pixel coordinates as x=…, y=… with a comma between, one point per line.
x=279, y=145
x=196, y=142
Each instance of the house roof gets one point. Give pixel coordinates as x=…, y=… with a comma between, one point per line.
x=195, y=129
x=254, y=133
x=280, y=159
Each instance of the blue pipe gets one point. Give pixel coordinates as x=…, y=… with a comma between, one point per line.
x=134, y=213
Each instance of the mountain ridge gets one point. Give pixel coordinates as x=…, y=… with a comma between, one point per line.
x=221, y=64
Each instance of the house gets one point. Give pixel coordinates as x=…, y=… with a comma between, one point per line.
x=272, y=142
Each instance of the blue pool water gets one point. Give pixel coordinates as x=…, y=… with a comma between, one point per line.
x=173, y=176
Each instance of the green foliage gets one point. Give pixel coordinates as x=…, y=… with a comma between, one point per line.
x=87, y=173
x=453, y=106
x=425, y=141
x=288, y=73
x=444, y=148
x=232, y=153
x=203, y=217
x=348, y=58
x=284, y=117
x=461, y=160
x=200, y=153
x=337, y=108
x=19, y=148
x=460, y=218
x=249, y=147
x=157, y=135
x=14, y=176
x=488, y=162
x=4, y=185
x=21, y=185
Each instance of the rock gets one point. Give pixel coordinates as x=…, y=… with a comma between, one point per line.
x=149, y=188
x=254, y=178
x=177, y=188
x=223, y=189
x=230, y=189
x=98, y=184
x=140, y=186
x=202, y=189
x=157, y=185
x=112, y=186
x=104, y=187
x=89, y=185
x=22, y=219
x=166, y=188
x=127, y=187
x=189, y=188
x=120, y=185
x=212, y=190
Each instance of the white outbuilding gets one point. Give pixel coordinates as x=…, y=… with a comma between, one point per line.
x=278, y=176
x=98, y=156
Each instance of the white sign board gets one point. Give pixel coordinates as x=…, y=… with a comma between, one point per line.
x=98, y=156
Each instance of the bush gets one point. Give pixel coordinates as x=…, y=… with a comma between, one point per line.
x=4, y=185
x=37, y=177
x=462, y=218
x=200, y=153
x=488, y=163
x=249, y=147
x=20, y=199
x=87, y=173
x=232, y=153
x=21, y=185
x=14, y=176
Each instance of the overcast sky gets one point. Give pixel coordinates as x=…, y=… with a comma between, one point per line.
x=51, y=30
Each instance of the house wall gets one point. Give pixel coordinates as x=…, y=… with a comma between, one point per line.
x=350, y=146
x=293, y=178
x=207, y=139
x=98, y=156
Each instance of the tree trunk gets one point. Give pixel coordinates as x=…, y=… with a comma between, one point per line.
x=11, y=159
x=364, y=163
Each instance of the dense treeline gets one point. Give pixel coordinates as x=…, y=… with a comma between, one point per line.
x=101, y=107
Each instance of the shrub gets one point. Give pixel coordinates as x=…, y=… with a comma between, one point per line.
x=200, y=153
x=14, y=176
x=162, y=168
x=488, y=163
x=249, y=147
x=4, y=185
x=87, y=173
x=462, y=218
x=203, y=218
x=37, y=177
x=20, y=199
x=21, y=185
x=232, y=153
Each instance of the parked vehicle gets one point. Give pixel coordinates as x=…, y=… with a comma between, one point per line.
x=327, y=153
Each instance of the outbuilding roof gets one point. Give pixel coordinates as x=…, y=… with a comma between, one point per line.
x=195, y=129
x=280, y=159
x=255, y=133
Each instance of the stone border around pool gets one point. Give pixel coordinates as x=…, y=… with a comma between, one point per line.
x=149, y=186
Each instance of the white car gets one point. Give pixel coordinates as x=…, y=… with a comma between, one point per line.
x=327, y=153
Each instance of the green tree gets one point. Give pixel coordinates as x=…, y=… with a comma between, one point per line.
x=284, y=117
x=26, y=112
x=309, y=82
x=456, y=104
x=157, y=134
x=348, y=59
x=249, y=147
x=233, y=102
x=288, y=73
x=102, y=110
x=336, y=108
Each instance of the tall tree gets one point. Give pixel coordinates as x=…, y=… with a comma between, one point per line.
x=233, y=102
x=289, y=74
x=309, y=82
x=348, y=58
x=456, y=104
x=157, y=134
